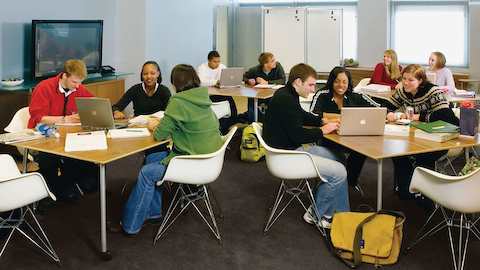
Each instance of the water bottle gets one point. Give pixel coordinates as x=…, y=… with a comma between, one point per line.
x=46, y=130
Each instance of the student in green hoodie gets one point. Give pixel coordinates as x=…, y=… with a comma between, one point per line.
x=194, y=129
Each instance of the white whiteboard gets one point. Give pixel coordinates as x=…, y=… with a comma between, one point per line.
x=324, y=38
x=284, y=35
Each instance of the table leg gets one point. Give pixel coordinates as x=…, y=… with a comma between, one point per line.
x=255, y=109
x=379, y=183
x=25, y=160
x=105, y=253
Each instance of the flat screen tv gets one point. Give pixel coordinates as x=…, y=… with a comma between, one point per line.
x=55, y=41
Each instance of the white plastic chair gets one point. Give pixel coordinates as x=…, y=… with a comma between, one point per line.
x=19, y=123
x=18, y=191
x=199, y=170
x=362, y=83
x=221, y=109
x=289, y=165
x=460, y=194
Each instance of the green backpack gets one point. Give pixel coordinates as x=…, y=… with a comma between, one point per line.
x=250, y=148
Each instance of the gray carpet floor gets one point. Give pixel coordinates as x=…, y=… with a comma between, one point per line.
x=245, y=192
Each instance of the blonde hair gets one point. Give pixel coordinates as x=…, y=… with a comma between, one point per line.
x=393, y=69
x=441, y=60
x=75, y=67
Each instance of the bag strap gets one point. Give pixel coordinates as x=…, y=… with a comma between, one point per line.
x=357, y=256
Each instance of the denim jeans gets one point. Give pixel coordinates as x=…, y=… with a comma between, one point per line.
x=145, y=200
x=332, y=196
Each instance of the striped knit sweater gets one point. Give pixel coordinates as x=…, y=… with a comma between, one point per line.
x=429, y=101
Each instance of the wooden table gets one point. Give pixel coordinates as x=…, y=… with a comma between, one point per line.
x=382, y=147
x=117, y=149
x=243, y=91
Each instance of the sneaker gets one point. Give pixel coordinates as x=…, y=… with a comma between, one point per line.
x=325, y=222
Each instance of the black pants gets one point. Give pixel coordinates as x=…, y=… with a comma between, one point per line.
x=261, y=110
x=226, y=123
x=403, y=170
x=62, y=173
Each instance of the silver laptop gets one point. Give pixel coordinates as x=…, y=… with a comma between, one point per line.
x=231, y=77
x=96, y=114
x=362, y=121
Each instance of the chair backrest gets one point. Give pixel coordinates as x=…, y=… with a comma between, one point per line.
x=221, y=109
x=198, y=169
x=19, y=121
x=18, y=190
x=287, y=164
x=362, y=83
x=458, y=193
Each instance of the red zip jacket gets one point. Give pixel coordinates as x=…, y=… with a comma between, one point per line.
x=47, y=100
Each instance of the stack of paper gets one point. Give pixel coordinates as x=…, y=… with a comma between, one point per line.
x=86, y=141
x=436, y=137
x=378, y=88
x=464, y=93
x=143, y=119
x=269, y=86
x=20, y=136
x=128, y=133
x=397, y=130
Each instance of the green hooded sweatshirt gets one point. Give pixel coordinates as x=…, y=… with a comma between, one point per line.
x=190, y=122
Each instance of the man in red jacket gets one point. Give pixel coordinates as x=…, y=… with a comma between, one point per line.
x=53, y=102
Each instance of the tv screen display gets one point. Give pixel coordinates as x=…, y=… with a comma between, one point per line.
x=55, y=41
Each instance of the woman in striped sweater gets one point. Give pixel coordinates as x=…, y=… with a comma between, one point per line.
x=429, y=104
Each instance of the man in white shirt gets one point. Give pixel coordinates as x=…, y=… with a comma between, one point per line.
x=209, y=72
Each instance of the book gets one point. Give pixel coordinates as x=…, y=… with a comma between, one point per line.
x=436, y=137
x=128, y=133
x=143, y=119
x=463, y=93
x=85, y=141
x=438, y=126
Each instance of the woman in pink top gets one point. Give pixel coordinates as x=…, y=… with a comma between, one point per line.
x=388, y=72
x=443, y=76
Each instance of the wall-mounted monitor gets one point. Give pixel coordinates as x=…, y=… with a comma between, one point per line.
x=55, y=41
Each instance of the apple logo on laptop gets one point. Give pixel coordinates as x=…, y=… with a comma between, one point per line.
x=94, y=113
x=363, y=122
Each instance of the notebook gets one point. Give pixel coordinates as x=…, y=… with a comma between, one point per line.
x=20, y=136
x=96, y=114
x=143, y=119
x=362, y=121
x=377, y=88
x=85, y=141
x=438, y=126
x=231, y=77
x=269, y=86
x=128, y=133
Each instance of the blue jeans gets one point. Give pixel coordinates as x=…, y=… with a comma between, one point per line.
x=145, y=200
x=332, y=196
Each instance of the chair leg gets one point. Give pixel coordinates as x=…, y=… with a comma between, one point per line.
x=422, y=234
x=41, y=241
x=182, y=199
x=294, y=192
x=171, y=209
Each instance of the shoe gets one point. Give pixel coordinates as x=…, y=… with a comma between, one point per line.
x=325, y=222
x=153, y=221
x=359, y=189
x=118, y=228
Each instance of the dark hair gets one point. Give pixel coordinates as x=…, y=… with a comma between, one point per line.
x=301, y=71
x=159, y=79
x=213, y=54
x=184, y=77
x=333, y=76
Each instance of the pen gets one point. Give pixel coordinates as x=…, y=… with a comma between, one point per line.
x=133, y=130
